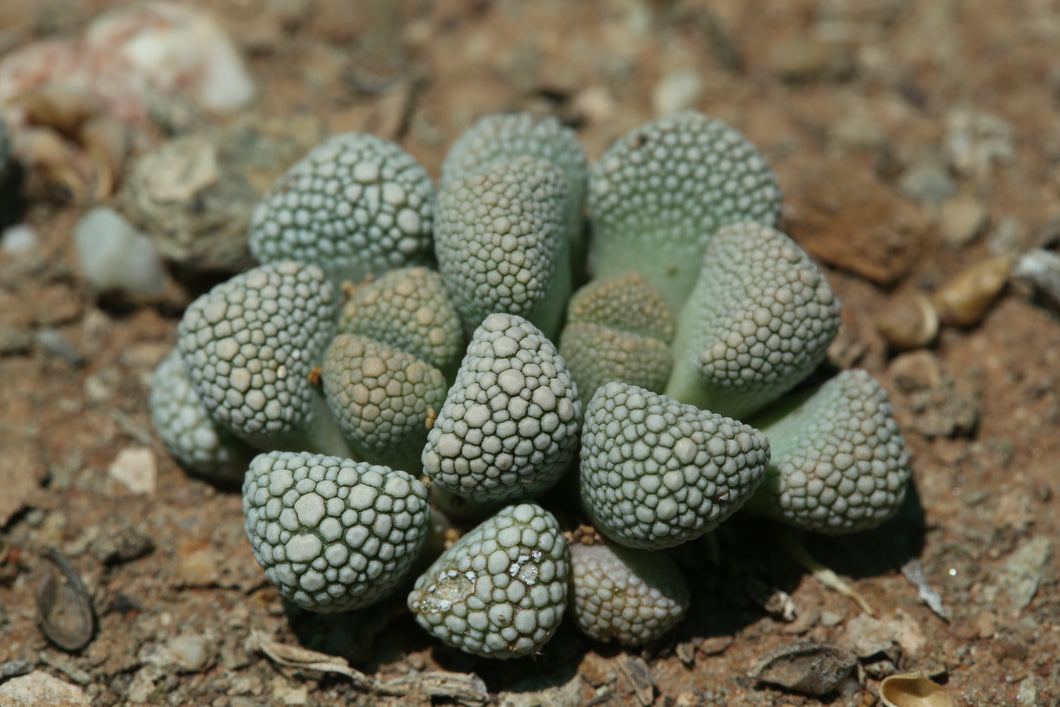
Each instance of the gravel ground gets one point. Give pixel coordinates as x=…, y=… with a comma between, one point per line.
x=912, y=141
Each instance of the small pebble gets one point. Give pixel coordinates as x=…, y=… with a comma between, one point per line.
x=676, y=92
x=966, y=298
x=56, y=344
x=831, y=619
x=910, y=321
x=136, y=469
x=64, y=608
x=1027, y=692
x=14, y=341
x=806, y=668
x=120, y=543
x=1021, y=573
x=40, y=688
x=192, y=652
x=976, y=139
x=18, y=239
x=197, y=564
x=284, y=693
x=14, y=668
x=916, y=370
x=928, y=184
x=1041, y=268
x=115, y=257
x=961, y=219
x=811, y=59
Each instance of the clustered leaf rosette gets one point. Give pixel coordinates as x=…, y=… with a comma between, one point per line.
x=661, y=191
x=667, y=398
x=354, y=206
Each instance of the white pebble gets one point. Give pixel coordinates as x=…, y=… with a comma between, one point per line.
x=115, y=256
x=136, y=469
x=18, y=239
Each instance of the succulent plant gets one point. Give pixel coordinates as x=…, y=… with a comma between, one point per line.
x=504, y=136
x=503, y=242
x=760, y=319
x=658, y=195
x=250, y=346
x=618, y=329
x=333, y=534
x=382, y=398
x=409, y=309
x=656, y=473
x=501, y=590
x=700, y=312
x=355, y=205
x=626, y=595
x=838, y=460
x=509, y=425
x=188, y=431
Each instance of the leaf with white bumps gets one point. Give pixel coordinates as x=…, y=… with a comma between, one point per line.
x=502, y=244
x=509, y=425
x=627, y=595
x=760, y=319
x=839, y=461
x=188, y=431
x=249, y=346
x=656, y=473
x=333, y=534
x=355, y=205
x=381, y=398
x=501, y=590
x=659, y=193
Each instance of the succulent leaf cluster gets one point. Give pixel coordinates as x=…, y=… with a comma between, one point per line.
x=509, y=426
x=502, y=241
x=188, y=431
x=396, y=338
x=657, y=473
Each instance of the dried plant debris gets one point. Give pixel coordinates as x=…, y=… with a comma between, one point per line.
x=913, y=572
x=912, y=690
x=465, y=689
x=64, y=608
x=807, y=668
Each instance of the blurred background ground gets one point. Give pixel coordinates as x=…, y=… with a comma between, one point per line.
x=912, y=141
